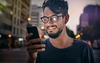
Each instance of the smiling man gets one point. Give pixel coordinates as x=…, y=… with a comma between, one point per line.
x=59, y=48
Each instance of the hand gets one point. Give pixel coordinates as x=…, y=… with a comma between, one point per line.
x=33, y=48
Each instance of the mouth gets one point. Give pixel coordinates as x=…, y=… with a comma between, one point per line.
x=51, y=28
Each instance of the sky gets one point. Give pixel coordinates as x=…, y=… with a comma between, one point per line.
x=75, y=10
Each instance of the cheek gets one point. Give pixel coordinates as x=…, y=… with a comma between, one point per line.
x=60, y=24
x=63, y=21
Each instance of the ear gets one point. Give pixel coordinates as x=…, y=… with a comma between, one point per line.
x=66, y=18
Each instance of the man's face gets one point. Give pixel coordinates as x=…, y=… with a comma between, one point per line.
x=53, y=26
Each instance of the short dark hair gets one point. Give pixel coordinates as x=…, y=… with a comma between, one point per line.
x=56, y=6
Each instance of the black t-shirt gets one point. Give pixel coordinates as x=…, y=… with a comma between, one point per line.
x=79, y=52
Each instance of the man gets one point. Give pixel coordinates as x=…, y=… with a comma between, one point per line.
x=59, y=48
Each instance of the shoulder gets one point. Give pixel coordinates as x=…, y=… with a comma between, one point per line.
x=81, y=43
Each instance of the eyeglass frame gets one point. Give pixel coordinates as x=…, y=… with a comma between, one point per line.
x=50, y=18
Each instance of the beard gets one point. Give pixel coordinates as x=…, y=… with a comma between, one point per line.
x=55, y=35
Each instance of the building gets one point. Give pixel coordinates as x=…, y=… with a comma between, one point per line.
x=91, y=13
x=35, y=13
x=83, y=22
x=13, y=19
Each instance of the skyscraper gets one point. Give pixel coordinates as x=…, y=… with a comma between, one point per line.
x=91, y=13
x=13, y=19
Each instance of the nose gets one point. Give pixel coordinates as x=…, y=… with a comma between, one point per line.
x=49, y=23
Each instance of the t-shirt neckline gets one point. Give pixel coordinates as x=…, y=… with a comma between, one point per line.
x=58, y=49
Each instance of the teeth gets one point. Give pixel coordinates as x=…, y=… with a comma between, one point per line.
x=51, y=27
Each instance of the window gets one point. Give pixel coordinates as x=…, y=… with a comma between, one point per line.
x=19, y=3
x=17, y=31
x=34, y=14
x=8, y=16
x=15, y=10
x=5, y=26
x=17, y=21
x=13, y=30
x=16, y=1
x=14, y=20
x=18, y=13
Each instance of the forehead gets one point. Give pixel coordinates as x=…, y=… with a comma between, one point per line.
x=47, y=12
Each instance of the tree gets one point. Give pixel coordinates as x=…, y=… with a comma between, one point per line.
x=70, y=32
x=88, y=33
x=97, y=29
x=92, y=32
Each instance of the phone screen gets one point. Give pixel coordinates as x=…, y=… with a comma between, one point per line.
x=34, y=30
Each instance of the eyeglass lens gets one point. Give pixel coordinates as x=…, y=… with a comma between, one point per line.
x=52, y=18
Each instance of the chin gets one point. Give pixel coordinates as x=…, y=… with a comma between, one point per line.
x=54, y=35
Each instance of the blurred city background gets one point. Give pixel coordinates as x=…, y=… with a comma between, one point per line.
x=16, y=15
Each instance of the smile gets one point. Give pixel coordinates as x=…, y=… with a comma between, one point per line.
x=51, y=28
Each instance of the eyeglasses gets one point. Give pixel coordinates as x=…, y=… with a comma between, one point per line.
x=53, y=18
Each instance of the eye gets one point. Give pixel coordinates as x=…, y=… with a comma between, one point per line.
x=44, y=19
x=53, y=18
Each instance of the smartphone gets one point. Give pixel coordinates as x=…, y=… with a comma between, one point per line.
x=34, y=30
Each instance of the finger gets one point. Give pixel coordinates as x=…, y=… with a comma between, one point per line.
x=33, y=41
x=28, y=36
x=25, y=44
x=36, y=50
x=32, y=47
